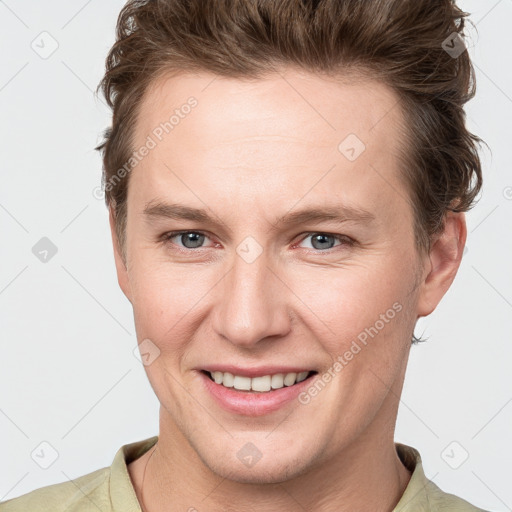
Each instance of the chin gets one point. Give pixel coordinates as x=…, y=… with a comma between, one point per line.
x=270, y=471
x=261, y=475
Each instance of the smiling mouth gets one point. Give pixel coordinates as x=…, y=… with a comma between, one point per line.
x=263, y=384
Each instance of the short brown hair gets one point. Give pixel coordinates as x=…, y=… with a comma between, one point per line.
x=403, y=43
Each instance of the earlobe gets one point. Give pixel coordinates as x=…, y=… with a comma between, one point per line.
x=444, y=261
x=121, y=268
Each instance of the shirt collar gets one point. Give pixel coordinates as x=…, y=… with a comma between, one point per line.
x=123, y=497
x=416, y=495
x=122, y=493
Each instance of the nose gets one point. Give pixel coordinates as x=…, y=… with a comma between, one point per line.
x=252, y=303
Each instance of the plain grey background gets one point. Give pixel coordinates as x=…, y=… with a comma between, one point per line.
x=69, y=378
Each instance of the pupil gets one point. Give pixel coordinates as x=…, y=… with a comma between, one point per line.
x=192, y=238
x=323, y=238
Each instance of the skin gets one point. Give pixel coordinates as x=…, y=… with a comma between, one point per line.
x=250, y=152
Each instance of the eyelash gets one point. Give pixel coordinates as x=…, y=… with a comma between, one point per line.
x=343, y=239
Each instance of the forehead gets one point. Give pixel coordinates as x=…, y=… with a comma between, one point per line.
x=282, y=133
x=327, y=106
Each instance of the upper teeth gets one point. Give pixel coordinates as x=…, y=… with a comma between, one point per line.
x=263, y=383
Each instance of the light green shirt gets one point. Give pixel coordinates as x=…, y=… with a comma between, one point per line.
x=111, y=490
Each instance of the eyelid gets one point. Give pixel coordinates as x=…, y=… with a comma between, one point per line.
x=343, y=239
x=166, y=237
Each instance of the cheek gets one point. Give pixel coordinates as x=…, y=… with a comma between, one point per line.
x=166, y=301
x=363, y=318
x=356, y=300
x=345, y=303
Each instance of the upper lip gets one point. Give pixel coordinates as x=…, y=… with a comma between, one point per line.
x=255, y=371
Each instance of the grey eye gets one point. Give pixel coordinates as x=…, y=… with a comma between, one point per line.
x=321, y=241
x=191, y=240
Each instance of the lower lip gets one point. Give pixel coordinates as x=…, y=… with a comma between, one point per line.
x=251, y=403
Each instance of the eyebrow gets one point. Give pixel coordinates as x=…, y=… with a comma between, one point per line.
x=340, y=214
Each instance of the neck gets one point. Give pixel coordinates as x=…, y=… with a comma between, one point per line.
x=366, y=476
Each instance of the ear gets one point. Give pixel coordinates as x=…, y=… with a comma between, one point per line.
x=121, y=268
x=444, y=260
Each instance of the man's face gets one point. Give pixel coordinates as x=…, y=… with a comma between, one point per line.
x=244, y=292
